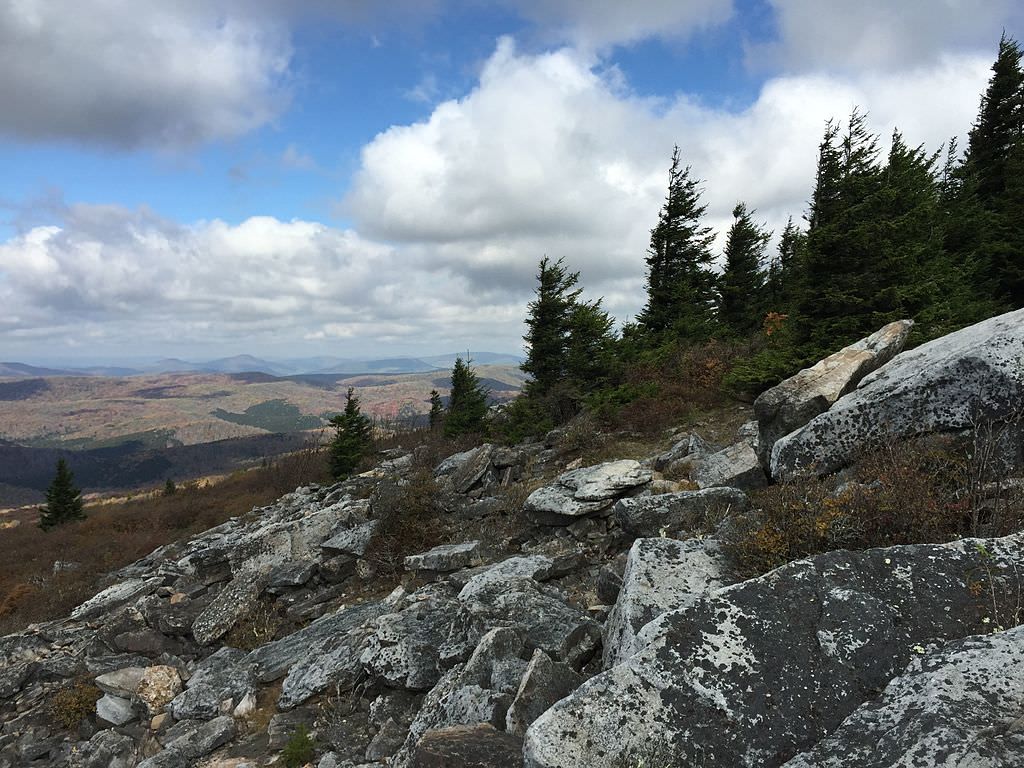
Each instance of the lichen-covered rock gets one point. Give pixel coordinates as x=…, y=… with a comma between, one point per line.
x=736, y=467
x=447, y=557
x=473, y=469
x=794, y=402
x=690, y=446
x=115, y=595
x=676, y=512
x=221, y=677
x=352, y=541
x=234, y=601
x=958, y=705
x=754, y=673
x=106, y=749
x=326, y=653
x=468, y=746
x=190, y=741
x=584, y=491
x=157, y=686
x=115, y=710
x=661, y=575
x=948, y=384
x=544, y=683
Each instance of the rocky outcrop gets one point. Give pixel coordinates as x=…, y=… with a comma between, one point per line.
x=958, y=705
x=585, y=491
x=794, y=402
x=683, y=511
x=754, y=673
x=735, y=467
x=949, y=384
x=661, y=575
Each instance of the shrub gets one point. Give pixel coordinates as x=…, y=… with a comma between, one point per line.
x=72, y=704
x=258, y=627
x=300, y=749
x=410, y=520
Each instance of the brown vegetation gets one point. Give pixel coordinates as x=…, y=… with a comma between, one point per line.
x=43, y=575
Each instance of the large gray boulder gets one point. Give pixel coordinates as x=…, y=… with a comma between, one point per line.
x=736, y=467
x=946, y=385
x=754, y=673
x=585, y=491
x=661, y=575
x=792, y=403
x=956, y=706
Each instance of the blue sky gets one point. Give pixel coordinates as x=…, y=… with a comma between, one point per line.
x=293, y=178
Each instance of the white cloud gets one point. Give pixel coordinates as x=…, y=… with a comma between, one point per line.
x=127, y=73
x=551, y=156
x=881, y=34
x=597, y=24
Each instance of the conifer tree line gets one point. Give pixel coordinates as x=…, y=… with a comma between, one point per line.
x=903, y=233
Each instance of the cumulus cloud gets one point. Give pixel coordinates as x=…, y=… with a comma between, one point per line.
x=137, y=72
x=130, y=279
x=881, y=34
x=550, y=155
x=597, y=24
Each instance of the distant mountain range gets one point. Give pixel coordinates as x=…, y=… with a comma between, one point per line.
x=251, y=364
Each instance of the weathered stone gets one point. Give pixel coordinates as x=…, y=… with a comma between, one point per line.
x=412, y=648
x=794, y=402
x=479, y=746
x=146, y=641
x=352, y=541
x=220, y=677
x=107, y=749
x=587, y=490
x=472, y=469
x=192, y=741
x=115, y=710
x=677, y=512
x=959, y=705
x=690, y=446
x=113, y=596
x=447, y=557
x=387, y=741
x=157, y=686
x=609, y=580
x=283, y=725
x=326, y=653
x=736, y=467
x=234, y=601
x=479, y=691
x=949, y=384
x=13, y=677
x=661, y=575
x=292, y=574
x=756, y=672
x=121, y=682
x=544, y=683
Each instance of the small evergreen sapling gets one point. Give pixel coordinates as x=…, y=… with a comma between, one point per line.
x=467, y=403
x=351, y=438
x=63, y=499
x=436, y=410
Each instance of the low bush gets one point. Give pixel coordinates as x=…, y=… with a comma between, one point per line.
x=300, y=749
x=410, y=520
x=73, y=703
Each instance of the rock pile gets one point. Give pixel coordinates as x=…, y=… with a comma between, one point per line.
x=602, y=633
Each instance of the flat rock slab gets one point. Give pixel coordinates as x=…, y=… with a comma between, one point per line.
x=590, y=489
x=115, y=710
x=959, y=705
x=794, y=402
x=480, y=746
x=447, y=557
x=674, y=512
x=736, y=467
x=352, y=541
x=115, y=595
x=753, y=674
x=232, y=603
x=661, y=575
x=948, y=384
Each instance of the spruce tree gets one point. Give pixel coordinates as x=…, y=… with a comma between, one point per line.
x=436, y=409
x=548, y=324
x=590, y=359
x=680, y=282
x=63, y=499
x=783, y=271
x=467, y=402
x=352, y=438
x=742, y=304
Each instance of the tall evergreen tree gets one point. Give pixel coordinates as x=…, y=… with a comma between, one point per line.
x=548, y=323
x=783, y=271
x=590, y=354
x=436, y=409
x=742, y=302
x=63, y=499
x=680, y=282
x=467, y=402
x=352, y=438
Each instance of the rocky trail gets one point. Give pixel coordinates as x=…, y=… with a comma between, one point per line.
x=601, y=632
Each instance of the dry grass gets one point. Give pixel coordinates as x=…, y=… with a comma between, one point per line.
x=114, y=535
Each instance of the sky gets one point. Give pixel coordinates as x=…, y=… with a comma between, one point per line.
x=287, y=178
